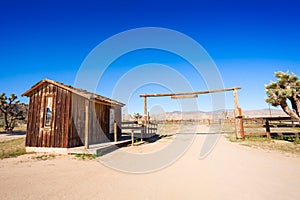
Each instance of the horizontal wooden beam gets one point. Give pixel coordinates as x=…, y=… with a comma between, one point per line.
x=184, y=96
x=190, y=93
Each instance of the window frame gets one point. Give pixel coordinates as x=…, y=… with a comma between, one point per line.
x=48, y=123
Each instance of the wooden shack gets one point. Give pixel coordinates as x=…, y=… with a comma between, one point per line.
x=61, y=116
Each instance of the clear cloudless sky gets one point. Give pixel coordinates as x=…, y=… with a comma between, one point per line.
x=247, y=39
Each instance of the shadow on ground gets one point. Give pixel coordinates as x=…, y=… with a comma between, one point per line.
x=13, y=133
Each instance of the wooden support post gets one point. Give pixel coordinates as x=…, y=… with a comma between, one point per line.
x=236, y=102
x=132, y=137
x=268, y=131
x=241, y=124
x=145, y=106
x=86, y=125
x=115, y=131
x=145, y=116
x=239, y=128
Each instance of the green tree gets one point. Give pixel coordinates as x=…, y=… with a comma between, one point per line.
x=10, y=109
x=287, y=88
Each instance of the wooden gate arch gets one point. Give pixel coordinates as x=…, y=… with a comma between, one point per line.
x=237, y=110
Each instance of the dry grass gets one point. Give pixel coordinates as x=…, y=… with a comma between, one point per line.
x=12, y=148
x=277, y=145
x=268, y=144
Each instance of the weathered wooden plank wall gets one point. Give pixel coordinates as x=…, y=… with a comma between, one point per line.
x=56, y=135
x=68, y=119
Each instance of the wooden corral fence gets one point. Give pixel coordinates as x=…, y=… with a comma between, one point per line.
x=200, y=121
x=140, y=131
x=274, y=126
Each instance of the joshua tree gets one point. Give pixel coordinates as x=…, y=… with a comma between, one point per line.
x=286, y=88
x=137, y=117
x=10, y=109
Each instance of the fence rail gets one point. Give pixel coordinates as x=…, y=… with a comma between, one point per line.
x=272, y=126
x=138, y=130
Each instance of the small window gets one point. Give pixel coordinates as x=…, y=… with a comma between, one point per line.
x=48, y=112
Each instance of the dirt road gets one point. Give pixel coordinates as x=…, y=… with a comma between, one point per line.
x=231, y=171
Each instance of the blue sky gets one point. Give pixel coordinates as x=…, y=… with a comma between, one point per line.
x=248, y=41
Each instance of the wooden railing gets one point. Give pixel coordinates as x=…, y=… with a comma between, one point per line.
x=138, y=130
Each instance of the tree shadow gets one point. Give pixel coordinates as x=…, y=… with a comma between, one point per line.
x=13, y=133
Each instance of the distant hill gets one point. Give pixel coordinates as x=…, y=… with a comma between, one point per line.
x=176, y=115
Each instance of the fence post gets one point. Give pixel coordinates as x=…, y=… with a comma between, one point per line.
x=240, y=133
x=268, y=131
x=115, y=131
x=132, y=138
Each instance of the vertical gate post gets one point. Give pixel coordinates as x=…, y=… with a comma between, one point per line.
x=241, y=124
x=145, y=107
x=239, y=127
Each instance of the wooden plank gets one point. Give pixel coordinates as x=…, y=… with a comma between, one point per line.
x=133, y=128
x=184, y=96
x=53, y=93
x=63, y=117
x=261, y=126
x=132, y=138
x=66, y=116
x=42, y=111
x=128, y=123
x=86, y=124
x=37, y=116
x=255, y=134
x=71, y=123
x=92, y=134
x=115, y=131
x=145, y=106
x=75, y=116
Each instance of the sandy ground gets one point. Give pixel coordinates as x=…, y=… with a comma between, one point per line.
x=231, y=171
